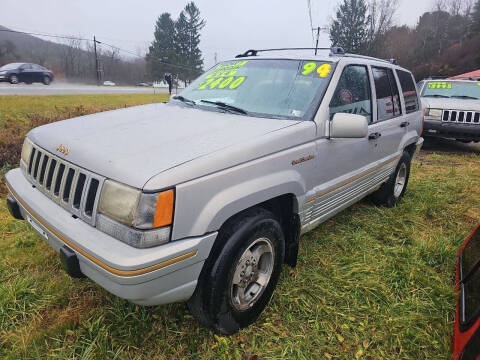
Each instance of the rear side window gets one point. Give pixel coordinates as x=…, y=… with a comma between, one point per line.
x=409, y=91
x=388, y=99
x=353, y=93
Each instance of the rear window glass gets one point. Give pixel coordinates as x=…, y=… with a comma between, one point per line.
x=409, y=91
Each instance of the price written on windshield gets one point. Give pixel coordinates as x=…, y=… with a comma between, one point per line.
x=231, y=83
x=439, y=85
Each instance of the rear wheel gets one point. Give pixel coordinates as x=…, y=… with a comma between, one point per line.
x=391, y=192
x=13, y=79
x=241, y=272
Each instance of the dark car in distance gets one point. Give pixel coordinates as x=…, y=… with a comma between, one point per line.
x=24, y=72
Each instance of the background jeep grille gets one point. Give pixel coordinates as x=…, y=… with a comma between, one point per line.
x=75, y=189
x=461, y=117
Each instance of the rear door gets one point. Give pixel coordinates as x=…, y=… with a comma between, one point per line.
x=388, y=128
x=37, y=73
x=410, y=99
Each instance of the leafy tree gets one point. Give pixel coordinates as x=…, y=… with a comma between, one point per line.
x=162, y=54
x=7, y=49
x=350, y=27
x=475, y=19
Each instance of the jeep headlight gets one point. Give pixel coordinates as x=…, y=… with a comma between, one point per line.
x=136, y=218
x=434, y=114
x=26, y=150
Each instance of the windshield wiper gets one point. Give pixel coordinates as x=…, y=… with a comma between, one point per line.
x=465, y=97
x=225, y=106
x=436, y=95
x=184, y=100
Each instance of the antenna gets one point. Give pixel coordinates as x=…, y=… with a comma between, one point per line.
x=318, y=35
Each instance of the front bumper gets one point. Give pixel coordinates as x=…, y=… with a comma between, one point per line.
x=470, y=132
x=159, y=275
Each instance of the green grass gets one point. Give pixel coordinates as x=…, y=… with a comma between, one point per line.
x=371, y=283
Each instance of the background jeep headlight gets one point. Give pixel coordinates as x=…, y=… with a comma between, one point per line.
x=434, y=114
x=26, y=150
x=136, y=218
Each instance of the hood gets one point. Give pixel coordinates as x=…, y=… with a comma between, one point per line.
x=132, y=145
x=451, y=104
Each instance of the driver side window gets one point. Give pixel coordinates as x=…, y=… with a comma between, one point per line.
x=353, y=94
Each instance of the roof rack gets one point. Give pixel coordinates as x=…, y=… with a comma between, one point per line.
x=334, y=51
x=391, y=61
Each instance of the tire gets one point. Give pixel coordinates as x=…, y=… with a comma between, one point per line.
x=46, y=80
x=13, y=79
x=218, y=302
x=391, y=192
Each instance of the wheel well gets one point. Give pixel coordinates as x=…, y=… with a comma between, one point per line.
x=285, y=208
x=410, y=149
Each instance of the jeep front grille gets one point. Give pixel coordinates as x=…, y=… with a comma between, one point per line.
x=75, y=189
x=461, y=117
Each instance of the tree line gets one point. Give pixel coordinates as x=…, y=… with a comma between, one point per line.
x=443, y=42
x=71, y=59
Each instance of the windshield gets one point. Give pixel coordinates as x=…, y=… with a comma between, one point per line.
x=10, y=66
x=268, y=88
x=455, y=89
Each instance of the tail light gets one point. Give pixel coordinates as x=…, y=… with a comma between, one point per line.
x=467, y=317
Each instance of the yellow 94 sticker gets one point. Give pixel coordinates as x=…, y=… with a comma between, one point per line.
x=313, y=68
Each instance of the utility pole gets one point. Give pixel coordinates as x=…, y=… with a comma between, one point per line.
x=216, y=60
x=97, y=69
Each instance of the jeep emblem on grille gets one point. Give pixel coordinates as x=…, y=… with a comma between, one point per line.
x=63, y=149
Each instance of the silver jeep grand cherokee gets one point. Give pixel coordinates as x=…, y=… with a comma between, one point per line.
x=452, y=108
x=205, y=197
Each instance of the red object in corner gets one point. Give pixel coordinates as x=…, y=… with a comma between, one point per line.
x=462, y=338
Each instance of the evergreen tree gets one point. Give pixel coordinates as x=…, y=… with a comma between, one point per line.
x=188, y=28
x=162, y=52
x=175, y=48
x=350, y=27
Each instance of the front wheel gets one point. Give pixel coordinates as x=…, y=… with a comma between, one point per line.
x=391, y=192
x=47, y=80
x=241, y=272
x=13, y=79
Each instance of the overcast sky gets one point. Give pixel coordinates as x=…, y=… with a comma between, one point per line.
x=231, y=26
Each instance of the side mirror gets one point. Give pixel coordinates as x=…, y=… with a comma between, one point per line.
x=345, y=125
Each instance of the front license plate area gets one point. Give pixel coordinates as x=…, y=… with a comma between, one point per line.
x=37, y=227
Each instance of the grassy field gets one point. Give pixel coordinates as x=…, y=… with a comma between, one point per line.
x=371, y=283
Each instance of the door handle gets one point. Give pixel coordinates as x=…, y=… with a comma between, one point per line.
x=404, y=124
x=374, y=136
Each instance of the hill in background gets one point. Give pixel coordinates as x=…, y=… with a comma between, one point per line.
x=72, y=60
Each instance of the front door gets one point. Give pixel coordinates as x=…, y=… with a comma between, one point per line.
x=344, y=165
